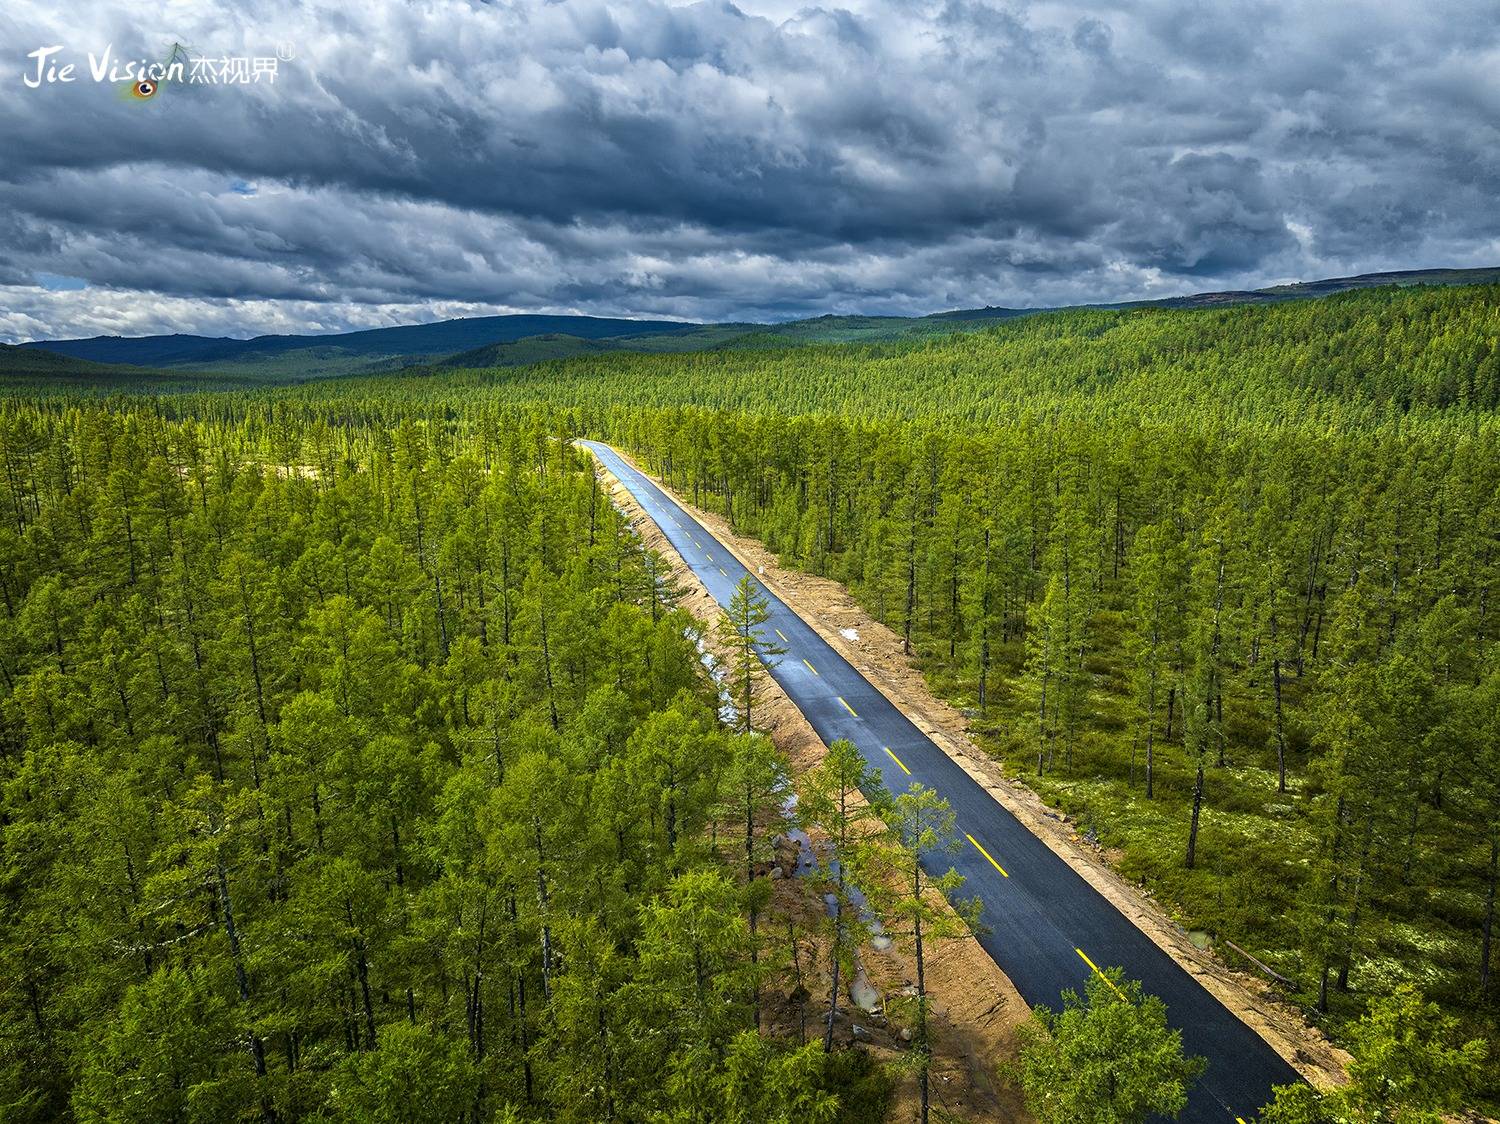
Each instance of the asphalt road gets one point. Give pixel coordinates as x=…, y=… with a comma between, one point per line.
x=1042, y=918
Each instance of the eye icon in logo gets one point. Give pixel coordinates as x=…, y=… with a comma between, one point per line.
x=144, y=89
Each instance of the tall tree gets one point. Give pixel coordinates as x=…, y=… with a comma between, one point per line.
x=917, y=907
x=742, y=631
x=841, y=798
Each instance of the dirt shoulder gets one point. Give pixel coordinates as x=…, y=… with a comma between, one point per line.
x=876, y=652
x=975, y=1008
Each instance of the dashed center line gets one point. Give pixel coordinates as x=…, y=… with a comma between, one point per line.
x=721, y=570
x=849, y=708
x=781, y=634
x=810, y=667
x=980, y=847
x=1100, y=974
x=897, y=760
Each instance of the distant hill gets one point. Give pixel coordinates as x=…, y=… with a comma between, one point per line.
x=413, y=341
x=1300, y=290
x=24, y=368
x=510, y=341
x=28, y=359
x=1488, y=275
x=533, y=349
x=1304, y=290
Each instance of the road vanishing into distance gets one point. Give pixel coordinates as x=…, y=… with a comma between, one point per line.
x=1046, y=927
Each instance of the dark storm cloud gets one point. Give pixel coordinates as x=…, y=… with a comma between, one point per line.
x=713, y=161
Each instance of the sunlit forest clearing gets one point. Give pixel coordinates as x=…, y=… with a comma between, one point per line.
x=351, y=741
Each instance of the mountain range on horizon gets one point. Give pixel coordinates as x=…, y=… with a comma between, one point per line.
x=512, y=340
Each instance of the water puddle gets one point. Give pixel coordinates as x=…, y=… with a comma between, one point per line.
x=729, y=714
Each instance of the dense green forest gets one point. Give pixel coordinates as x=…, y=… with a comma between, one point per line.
x=371, y=667
x=389, y=787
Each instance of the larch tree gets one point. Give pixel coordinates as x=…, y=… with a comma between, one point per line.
x=742, y=631
x=916, y=906
x=841, y=797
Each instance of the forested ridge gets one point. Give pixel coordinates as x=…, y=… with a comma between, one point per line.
x=1219, y=583
x=1355, y=356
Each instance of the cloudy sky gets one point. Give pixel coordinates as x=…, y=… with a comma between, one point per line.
x=711, y=161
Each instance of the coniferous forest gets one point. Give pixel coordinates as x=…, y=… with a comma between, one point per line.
x=363, y=773
x=354, y=754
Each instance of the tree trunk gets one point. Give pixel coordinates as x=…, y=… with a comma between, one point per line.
x=754, y=912
x=921, y=1042
x=362, y=967
x=442, y=620
x=748, y=656
x=1411, y=838
x=545, y=909
x=953, y=603
x=1333, y=893
x=801, y=992
x=547, y=665
x=1358, y=901
x=242, y=981
x=984, y=626
x=1192, y=848
x=1489, y=918
x=911, y=587
x=838, y=942
x=1041, y=745
x=1151, y=734
x=1280, y=732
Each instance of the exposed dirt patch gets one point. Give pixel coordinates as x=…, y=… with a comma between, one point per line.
x=975, y=1009
x=876, y=652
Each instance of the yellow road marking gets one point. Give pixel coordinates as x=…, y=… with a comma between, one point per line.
x=898, y=761
x=721, y=570
x=707, y=555
x=1101, y=975
x=987, y=855
x=849, y=708
x=810, y=667
x=781, y=634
